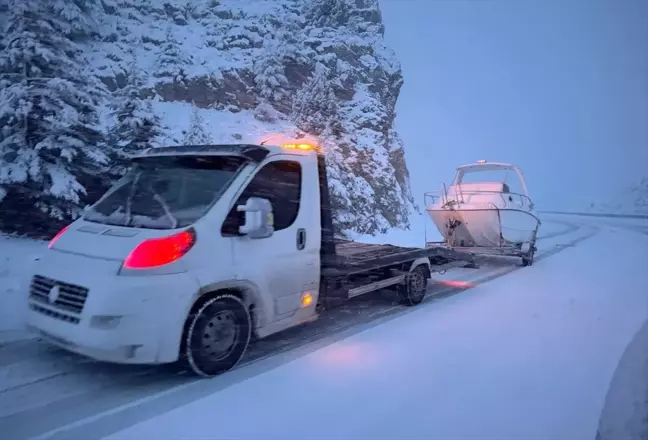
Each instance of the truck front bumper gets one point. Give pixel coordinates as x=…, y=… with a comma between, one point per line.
x=108, y=317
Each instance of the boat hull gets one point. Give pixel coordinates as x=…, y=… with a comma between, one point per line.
x=484, y=227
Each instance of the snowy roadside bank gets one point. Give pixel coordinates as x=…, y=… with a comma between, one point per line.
x=625, y=415
x=16, y=257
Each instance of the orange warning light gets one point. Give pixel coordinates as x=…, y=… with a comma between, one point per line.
x=306, y=300
x=303, y=147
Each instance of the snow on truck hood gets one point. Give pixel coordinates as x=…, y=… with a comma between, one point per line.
x=104, y=241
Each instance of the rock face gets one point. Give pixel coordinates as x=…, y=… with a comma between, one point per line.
x=317, y=68
x=266, y=70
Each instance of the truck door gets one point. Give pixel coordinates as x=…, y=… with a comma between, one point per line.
x=285, y=265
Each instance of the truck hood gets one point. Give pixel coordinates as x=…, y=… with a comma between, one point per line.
x=104, y=241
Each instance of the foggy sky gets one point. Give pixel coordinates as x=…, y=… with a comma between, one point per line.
x=558, y=87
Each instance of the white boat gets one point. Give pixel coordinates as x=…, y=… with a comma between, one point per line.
x=485, y=214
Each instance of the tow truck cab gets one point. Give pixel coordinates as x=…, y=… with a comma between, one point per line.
x=198, y=248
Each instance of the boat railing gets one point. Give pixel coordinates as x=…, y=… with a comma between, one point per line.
x=438, y=197
x=459, y=195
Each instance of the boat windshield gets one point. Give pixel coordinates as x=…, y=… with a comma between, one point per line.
x=508, y=177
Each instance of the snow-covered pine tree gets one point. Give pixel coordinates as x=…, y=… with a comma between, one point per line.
x=76, y=16
x=196, y=134
x=50, y=138
x=268, y=70
x=171, y=59
x=315, y=108
x=315, y=111
x=136, y=125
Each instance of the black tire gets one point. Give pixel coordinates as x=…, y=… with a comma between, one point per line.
x=413, y=291
x=528, y=259
x=217, y=335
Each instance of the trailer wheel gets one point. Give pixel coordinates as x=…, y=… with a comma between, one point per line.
x=413, y=291
x=217, y=336
x=528, y=259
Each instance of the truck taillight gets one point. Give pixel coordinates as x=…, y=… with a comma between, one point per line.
x=156, y=252
x=57, y=236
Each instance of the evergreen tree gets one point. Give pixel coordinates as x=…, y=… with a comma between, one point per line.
x=50, y=136
x=315, y=107
x=196, y=135
x=76, y=16
x=172, y=58
x=136, y=125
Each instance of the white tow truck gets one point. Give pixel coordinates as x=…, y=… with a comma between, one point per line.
x=199, y=248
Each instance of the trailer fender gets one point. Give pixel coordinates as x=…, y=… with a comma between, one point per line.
x=422, y=261
x=413, y=289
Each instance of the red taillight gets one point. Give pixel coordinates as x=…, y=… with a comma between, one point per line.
x=160, y=251
x=57, y=236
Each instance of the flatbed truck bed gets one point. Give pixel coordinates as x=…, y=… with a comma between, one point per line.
x=360, y=268
x=353, y=257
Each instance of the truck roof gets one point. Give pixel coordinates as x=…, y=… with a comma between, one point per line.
x=251, y=152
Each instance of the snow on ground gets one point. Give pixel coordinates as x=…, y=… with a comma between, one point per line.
x=625, y=415
x=16, y=257
x=639, y=225
x=224, y=127
x=527, y=356
x=631, y=200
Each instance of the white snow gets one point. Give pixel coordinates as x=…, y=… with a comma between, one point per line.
x=16, y=257
x=221, y=127
x=631, y=200
x=527, y=356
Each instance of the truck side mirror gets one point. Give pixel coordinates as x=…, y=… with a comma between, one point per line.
x=259, y=218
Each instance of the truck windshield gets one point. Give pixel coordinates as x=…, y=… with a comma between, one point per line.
x=166, y=192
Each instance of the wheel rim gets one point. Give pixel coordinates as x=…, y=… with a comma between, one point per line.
x=220, y=335
x=416, y=284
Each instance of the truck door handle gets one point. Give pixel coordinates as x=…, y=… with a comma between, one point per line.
x=301, y=239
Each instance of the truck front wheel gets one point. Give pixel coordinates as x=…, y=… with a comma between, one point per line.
x=217, y=335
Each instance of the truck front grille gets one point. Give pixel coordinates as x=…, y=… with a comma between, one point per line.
x=66, y=305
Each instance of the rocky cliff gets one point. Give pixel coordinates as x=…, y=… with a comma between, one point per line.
x=247, y=71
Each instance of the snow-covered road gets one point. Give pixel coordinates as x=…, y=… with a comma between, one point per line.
x=45, y=393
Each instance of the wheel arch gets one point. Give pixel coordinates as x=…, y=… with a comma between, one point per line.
x=247, y=291
x=423, y=261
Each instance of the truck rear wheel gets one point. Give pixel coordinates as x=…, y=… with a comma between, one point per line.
x=217, y=336
x=413, y=291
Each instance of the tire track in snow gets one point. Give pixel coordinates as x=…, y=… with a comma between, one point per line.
x=640, y=229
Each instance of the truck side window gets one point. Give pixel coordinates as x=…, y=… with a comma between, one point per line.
x=279, y=182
